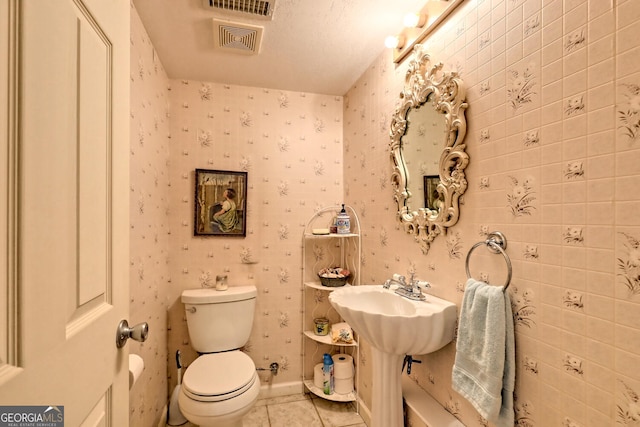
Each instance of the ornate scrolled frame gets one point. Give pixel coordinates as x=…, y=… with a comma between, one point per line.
x=448, y=98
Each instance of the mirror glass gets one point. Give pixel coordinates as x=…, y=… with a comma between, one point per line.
x=427, y=149
x=421, y=146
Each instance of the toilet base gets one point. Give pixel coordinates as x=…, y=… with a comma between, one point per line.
x=217, y=414
x=217, y=422
x=230, y=420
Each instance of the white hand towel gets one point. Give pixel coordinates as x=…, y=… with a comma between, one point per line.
x=484, y=367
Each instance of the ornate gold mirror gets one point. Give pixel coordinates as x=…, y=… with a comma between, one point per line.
x=427, y=150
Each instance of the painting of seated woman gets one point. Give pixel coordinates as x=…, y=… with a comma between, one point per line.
x=220, y=207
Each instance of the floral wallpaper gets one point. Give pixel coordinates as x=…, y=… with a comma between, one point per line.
x=149, y=228
x=290, y=145
x=555, y=165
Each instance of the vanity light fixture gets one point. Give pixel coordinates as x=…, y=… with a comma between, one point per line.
x=419, y=25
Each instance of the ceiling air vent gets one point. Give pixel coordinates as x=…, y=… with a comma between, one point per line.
x=255, y=8
x=237, y=37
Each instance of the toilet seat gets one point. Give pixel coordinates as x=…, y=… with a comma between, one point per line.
x=219, y=376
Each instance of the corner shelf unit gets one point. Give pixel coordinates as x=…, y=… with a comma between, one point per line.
x=320, y=251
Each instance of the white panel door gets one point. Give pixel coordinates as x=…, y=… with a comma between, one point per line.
x=64, y=200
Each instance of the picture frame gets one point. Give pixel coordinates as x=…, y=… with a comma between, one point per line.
x=220, y=203
x=431, y=196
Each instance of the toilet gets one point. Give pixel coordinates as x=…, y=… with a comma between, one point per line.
x=222, y=384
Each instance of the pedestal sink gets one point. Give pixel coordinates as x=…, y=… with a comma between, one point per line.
x=394, y=326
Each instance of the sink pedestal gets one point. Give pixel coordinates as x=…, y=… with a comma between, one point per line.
x=394, y=326
x=387, y=390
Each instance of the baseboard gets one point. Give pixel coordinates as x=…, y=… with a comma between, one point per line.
x=163, y=417
x=425, y=407
x=283, y=389
x=364, y=411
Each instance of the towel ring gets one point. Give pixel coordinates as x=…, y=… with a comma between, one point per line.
x=496, y=243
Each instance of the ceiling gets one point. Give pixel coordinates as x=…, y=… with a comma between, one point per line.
x=316, y=46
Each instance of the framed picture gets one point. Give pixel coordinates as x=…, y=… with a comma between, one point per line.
x=431, y=196
x=220, y=203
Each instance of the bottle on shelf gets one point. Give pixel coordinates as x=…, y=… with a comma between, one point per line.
x=327, y=371
x=343, y=222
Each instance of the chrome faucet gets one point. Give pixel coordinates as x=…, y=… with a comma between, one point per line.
x=395, y=280
x=411, y=290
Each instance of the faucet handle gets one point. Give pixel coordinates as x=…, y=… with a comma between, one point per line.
x=422, y=284
x=399, y=278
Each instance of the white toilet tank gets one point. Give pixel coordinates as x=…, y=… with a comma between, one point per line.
x=219, y=320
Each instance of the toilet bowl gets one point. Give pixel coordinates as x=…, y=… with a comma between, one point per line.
x=222, y=384
x=219, y=389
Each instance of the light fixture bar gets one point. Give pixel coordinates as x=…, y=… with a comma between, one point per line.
x=433, y=13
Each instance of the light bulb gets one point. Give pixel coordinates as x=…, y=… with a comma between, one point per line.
x=413, y=20
x=394, y=42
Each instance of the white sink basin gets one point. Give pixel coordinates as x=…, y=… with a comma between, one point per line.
x=394, y=324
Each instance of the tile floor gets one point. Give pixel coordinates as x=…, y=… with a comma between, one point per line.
x=301, y=410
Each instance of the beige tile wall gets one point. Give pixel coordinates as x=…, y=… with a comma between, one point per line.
x=554, y=92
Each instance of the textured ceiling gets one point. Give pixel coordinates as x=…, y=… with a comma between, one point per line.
x=317, y=46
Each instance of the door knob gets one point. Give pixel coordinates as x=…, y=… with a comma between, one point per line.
x=139, y=332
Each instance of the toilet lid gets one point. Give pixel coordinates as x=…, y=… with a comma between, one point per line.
x=219, y=374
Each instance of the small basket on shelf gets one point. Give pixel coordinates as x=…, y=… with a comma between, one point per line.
x=334, y=277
